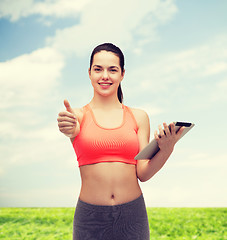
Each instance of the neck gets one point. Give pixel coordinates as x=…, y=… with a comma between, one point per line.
x=105, y=102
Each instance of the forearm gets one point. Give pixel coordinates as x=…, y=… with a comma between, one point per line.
x=148, y=168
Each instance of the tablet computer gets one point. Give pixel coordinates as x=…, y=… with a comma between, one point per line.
x=152, y=148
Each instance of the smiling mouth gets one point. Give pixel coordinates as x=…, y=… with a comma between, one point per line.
x=105, y=84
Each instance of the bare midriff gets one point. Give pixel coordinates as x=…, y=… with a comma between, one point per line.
x=109, y=183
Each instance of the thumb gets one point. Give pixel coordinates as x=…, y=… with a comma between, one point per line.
x=67, y=106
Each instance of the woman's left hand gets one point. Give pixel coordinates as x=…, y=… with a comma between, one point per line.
x=167, y=138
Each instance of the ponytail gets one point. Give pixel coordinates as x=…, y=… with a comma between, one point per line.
x=120, y=94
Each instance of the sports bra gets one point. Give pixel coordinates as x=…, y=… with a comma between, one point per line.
x=96, y=144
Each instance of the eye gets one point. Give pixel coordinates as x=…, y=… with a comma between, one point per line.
x=113, y=70
x=97, y=69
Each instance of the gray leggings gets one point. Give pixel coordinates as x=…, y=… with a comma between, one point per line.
x=127, y=221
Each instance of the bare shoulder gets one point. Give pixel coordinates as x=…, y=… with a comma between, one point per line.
x=140, y=115
x=143, y=124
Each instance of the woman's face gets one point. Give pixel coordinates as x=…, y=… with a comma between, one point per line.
x=105, y=73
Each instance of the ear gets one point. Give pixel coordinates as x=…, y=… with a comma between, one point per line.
x=89, y=72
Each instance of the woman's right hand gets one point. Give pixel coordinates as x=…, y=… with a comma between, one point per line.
x=68, y=122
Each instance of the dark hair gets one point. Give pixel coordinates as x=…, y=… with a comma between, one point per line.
x=109, y=47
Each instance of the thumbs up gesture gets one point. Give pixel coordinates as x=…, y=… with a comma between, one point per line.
x=67, y=106
x=68, y=122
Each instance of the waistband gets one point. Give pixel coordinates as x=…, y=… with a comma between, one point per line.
x=107, y=208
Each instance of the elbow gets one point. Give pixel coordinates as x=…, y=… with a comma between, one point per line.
x=143, y=177
x=143, y=172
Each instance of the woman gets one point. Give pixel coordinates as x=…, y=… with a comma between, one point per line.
x=106, y=136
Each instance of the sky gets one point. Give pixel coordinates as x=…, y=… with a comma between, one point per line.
x=176, y=70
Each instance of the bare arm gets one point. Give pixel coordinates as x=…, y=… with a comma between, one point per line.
x=147, y=168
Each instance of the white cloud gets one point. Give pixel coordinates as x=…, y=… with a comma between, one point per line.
x=60, y=196
x=43, y=152
x=114, y=22
x=1, y=172
x=48, y=138
x=215, y=68
x=15, y=10
x=151, y=110
x=189, y=173
x=28, y=79
x=188, y=68
x=202, y=195
x=28, y=86
x=199, y=159
x=46, y=155
x=60, y=8
x=219, y=92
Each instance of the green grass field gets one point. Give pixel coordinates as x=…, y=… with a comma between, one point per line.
x=165, y=223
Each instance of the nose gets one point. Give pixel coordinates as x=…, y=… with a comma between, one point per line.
x=105, y=75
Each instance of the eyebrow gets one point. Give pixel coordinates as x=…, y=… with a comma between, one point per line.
x=109, y=67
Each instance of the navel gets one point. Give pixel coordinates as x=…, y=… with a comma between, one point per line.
x=112, y=196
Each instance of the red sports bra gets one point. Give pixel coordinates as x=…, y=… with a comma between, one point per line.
x=95, y=144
